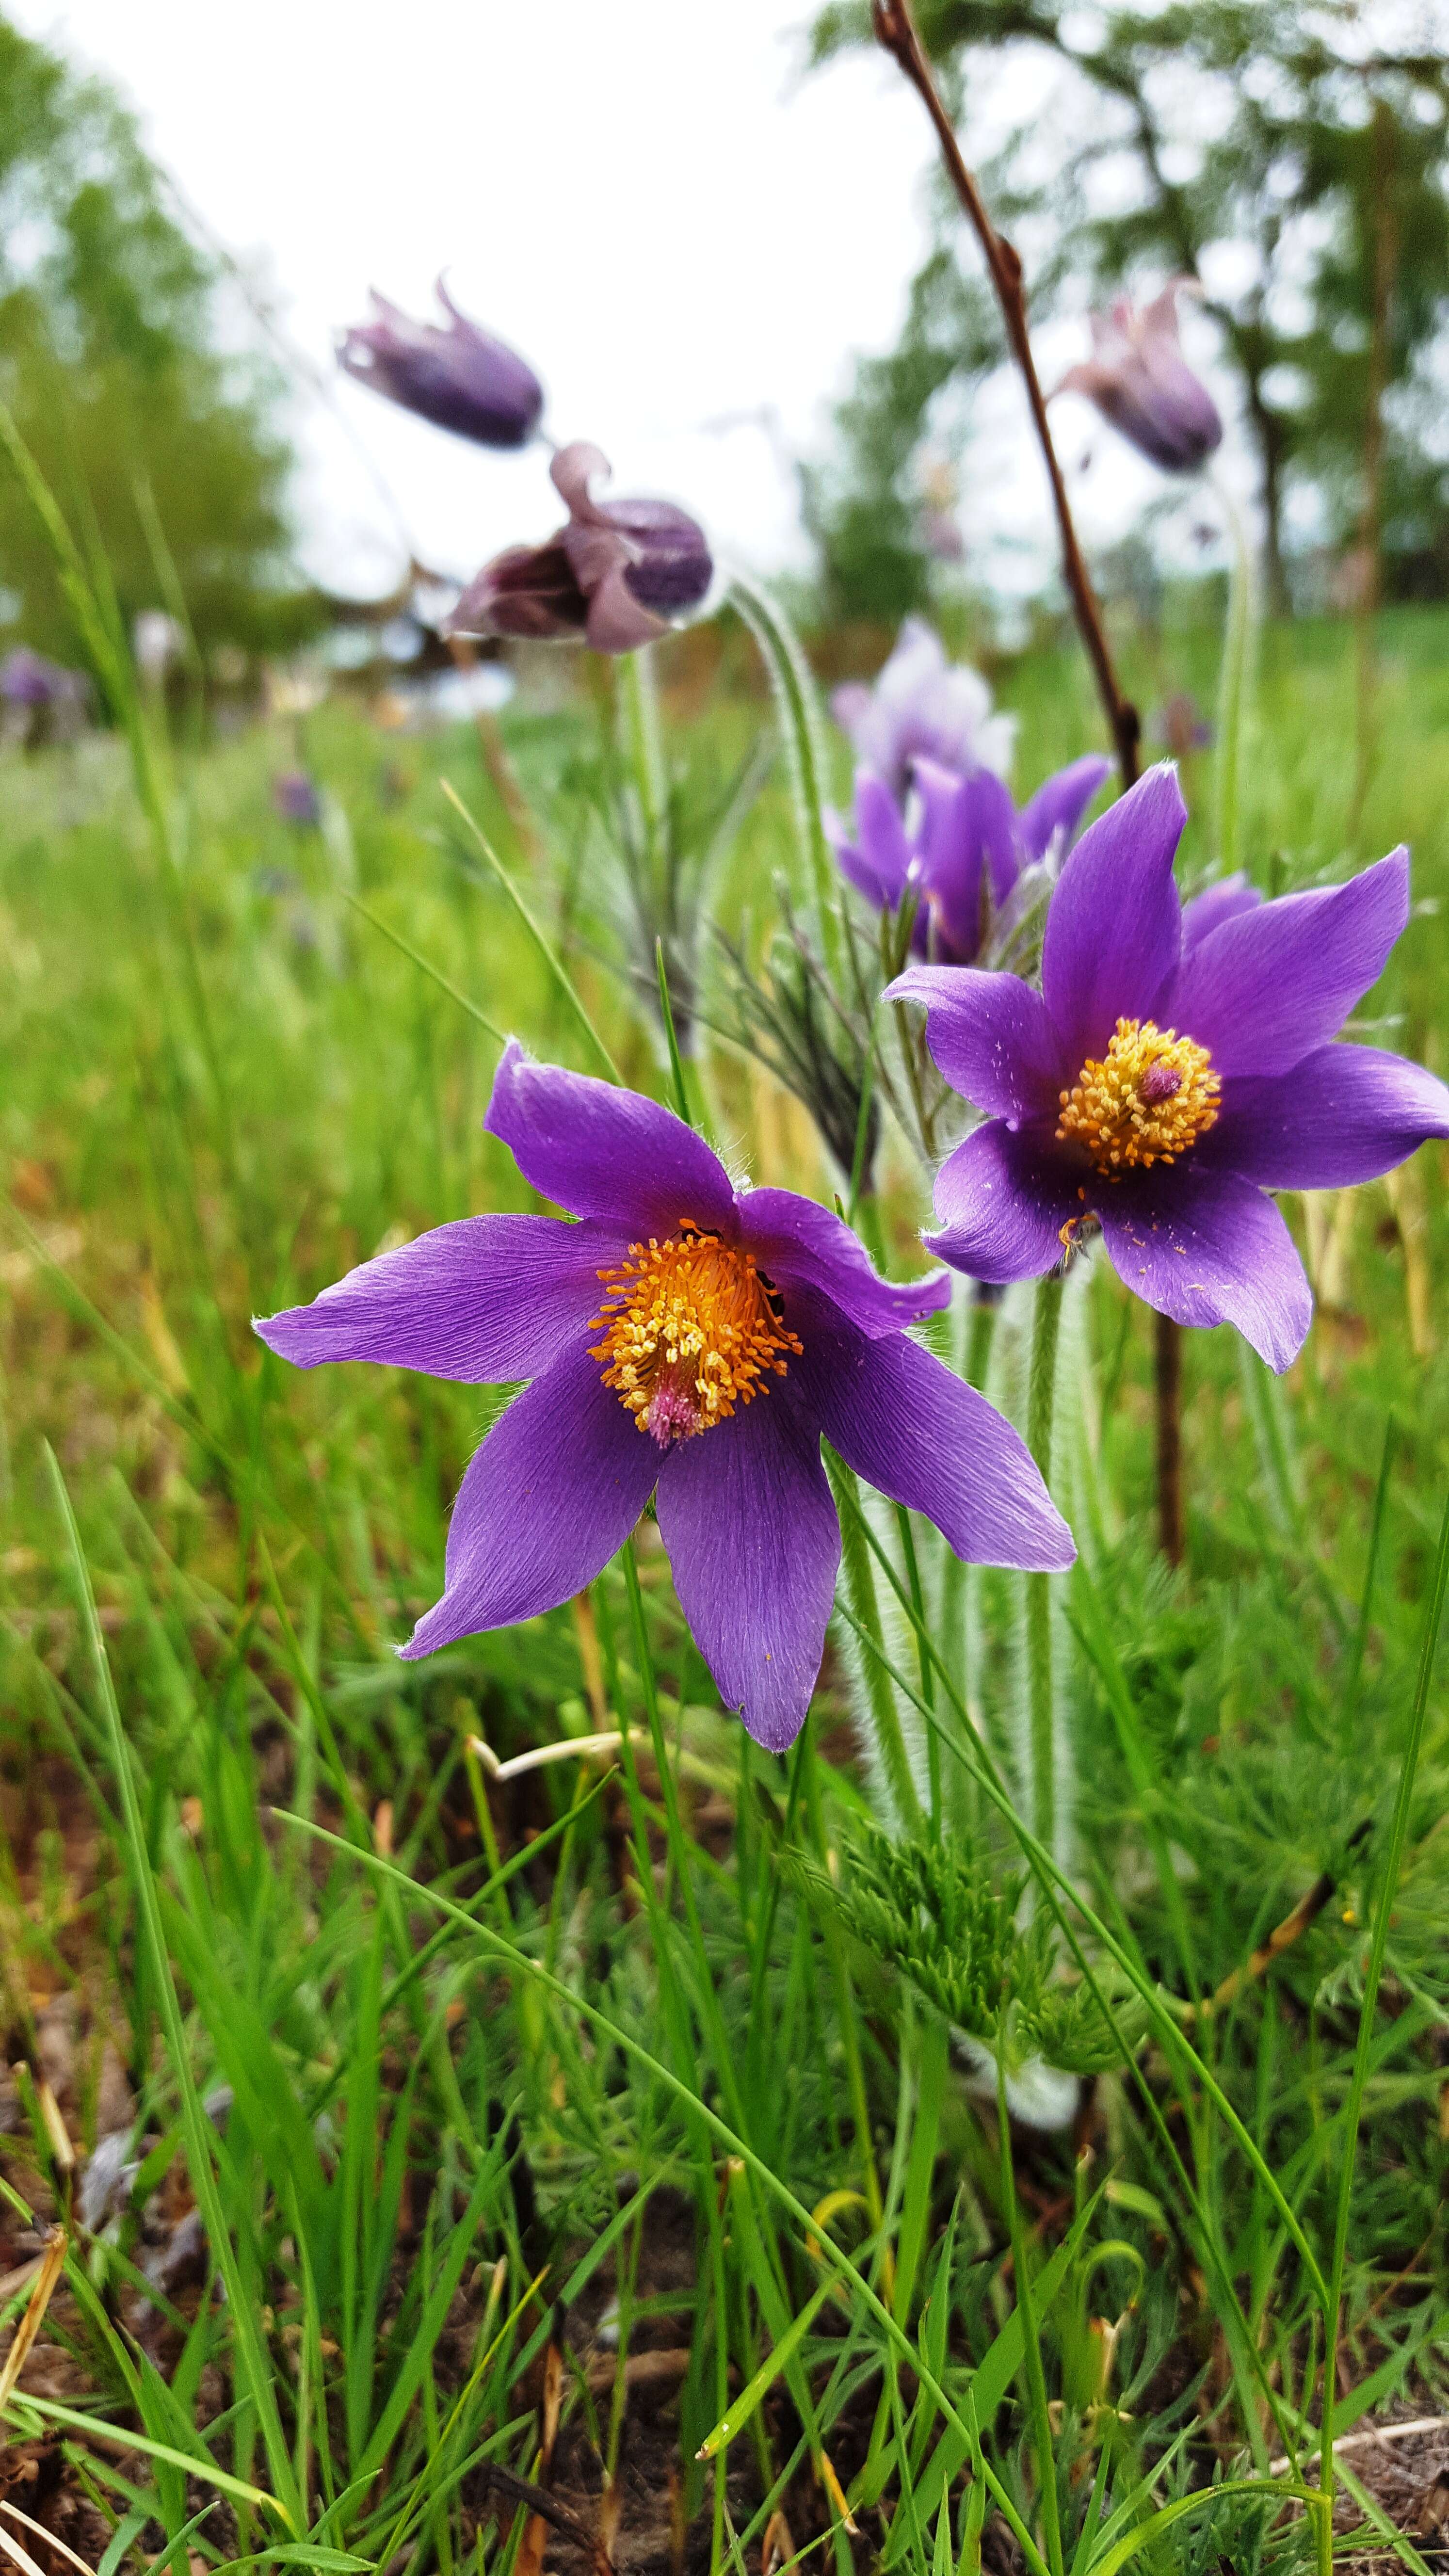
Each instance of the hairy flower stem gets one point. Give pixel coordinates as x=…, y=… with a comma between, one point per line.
x=860, y=1595
x=1167, y=1383
x=896, y=32
x=1041, y=1698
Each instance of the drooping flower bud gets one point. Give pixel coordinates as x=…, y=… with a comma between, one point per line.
x=460, y=378
x=618, y=575
x=1140, y=381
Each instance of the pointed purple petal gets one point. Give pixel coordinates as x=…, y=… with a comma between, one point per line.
x=1208, y=1248
x=917, y=1432
x=1215, y=905
x=600, y=1151
x=1268, y=987
x=881, y=834
x=555, y=1488
x=990, y=1036
x=1060, y=803
x=1002, y=1200
x=798, y=1242
x=490, y=1298
x=754, y=1544
x=968, y=826
x=1113, y=930
x=1345, y=1114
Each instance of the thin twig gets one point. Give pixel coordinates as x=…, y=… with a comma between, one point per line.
x=895, y=31
x=1292, y=1928
x=1376, y=2433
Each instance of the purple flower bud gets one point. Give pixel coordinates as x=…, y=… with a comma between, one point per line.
x=295, y=798
x=1182, y=726
x=1139, y=380
x=460, y=378
x=619, y=574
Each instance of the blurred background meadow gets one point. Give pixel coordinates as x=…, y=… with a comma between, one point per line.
x=414, y=2153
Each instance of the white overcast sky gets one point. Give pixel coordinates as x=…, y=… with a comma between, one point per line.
x=644, y=198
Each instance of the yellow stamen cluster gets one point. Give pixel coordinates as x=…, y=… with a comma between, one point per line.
x=691, y=1329
x=1150, y=1098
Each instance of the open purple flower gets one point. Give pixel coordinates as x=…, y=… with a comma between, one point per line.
x=961, y=851
x=922, y=706
x=459, y=378
x=1175, y=1067
x=1140, y=381
x=683, y=1340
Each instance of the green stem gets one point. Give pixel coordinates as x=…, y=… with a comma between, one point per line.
x=1041, y=2422
x=1041, y=1403
x=1348, y=2150
x=864, y=1608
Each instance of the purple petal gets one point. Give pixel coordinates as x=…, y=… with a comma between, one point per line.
x=1265, y=989
x=968, y=826
x=754, y=1544
x=1217, y=903
x=1002, y=1200
x=555, y=1488
x=601, y=1151
x=1113, y=930
x=1345, y=1114
x=490, y=1298
x=1208, y=1248
x=856, y=867
x=1060, y=803
x=881, y=834
x=917, y=1432
x=990, y=1036
x=798, y=1242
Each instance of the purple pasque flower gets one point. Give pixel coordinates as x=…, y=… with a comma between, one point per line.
x=922, y=706
x=683, y=1340
x=1176, y=1066
x=620, y=573
x=1140, y=381
x=458, y=377
x=960, y=850
x=27, y=679
x=295, y=798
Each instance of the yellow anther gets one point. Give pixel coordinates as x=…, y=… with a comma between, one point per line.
x=691, y=1330
x=1150, y=1098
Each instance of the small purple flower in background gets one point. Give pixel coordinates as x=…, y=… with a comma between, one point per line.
x=922, y=706
x=42, y=699
x=1139, y=380
x=1175, y=1067
x=295, y=798
x=962, y=849
x=28, y=680
x=460, y=378
x=683, y=1340
x=1181, y=726
x=620, y=573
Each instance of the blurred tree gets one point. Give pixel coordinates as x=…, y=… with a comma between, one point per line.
x=158, y=443
x=1294, y=160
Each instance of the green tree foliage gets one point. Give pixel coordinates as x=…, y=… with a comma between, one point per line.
x=1294, y=161
x=109, y=360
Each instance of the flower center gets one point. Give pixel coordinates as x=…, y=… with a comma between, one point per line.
x=1150, y=1098
x=691, y=1330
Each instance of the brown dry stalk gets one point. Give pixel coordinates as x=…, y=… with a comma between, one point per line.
x=895, y=30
